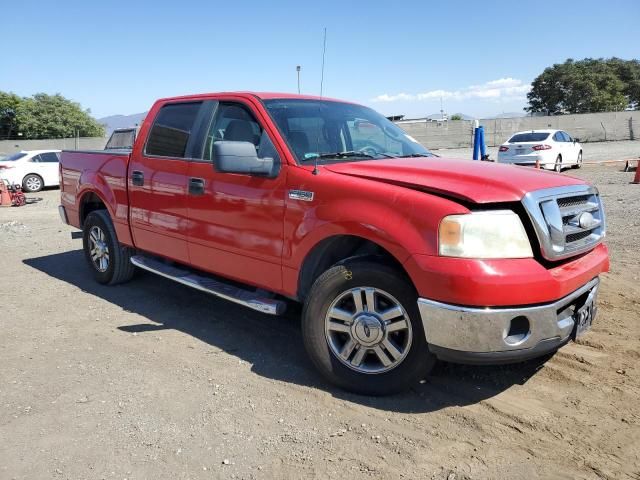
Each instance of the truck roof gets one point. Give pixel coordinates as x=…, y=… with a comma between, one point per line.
x=260, y=95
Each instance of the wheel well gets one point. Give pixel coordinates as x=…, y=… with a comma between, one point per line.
x=332, y=251
x=89, y=203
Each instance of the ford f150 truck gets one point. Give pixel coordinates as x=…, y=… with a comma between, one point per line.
x=398, y=256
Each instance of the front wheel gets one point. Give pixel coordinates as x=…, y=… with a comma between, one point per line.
x=558, y=166
x=362, y=329
x=578, y=161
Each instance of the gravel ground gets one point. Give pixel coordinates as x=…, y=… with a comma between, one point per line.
x=592, y=152
x=154, y=380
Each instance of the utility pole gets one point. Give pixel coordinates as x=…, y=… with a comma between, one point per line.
x=298, y=68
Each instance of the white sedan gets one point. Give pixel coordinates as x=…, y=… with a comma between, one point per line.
x=33, y=169
x=554, y=149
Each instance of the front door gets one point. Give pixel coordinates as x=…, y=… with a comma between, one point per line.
x=158, y=181
x=236, y=220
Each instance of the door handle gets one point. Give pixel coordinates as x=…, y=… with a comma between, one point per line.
x=196, y=186
x=137, y=178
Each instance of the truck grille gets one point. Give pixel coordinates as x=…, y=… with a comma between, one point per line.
x=568, y=220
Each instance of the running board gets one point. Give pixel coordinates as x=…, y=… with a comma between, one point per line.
x=191, y=279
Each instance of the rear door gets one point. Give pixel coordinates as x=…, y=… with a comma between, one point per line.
x=236, y=220
x=158, y=180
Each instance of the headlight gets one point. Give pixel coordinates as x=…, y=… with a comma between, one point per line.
x=490, y=234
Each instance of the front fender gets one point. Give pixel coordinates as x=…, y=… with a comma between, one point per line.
x=401, y=220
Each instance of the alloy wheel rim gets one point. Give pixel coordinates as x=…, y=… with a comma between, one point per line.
x=368, y=330
x=33, y=183
x=98, y=249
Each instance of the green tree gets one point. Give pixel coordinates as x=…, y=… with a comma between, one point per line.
x=53, y=116
x=589, y=85
x=456, y=116
x=45, y=116
x=8, y=106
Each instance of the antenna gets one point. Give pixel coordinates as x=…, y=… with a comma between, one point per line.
x=324, y=49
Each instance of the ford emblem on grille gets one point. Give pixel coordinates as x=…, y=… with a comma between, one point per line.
x=586, y=220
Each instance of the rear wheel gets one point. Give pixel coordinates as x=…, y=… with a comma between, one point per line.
x=558, y=166
x=362, y=329
x=32, y=183
x=107, y=258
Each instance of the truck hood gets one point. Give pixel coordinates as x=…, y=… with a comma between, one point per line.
x=478, y=182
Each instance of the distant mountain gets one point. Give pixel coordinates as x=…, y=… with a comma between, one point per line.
x=121, y=121
x=438, y=116
x=511, y=115
x=433, y=117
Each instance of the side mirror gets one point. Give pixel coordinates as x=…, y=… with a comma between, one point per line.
x=240, y=157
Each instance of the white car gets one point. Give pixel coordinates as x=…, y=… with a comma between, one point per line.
x=33, y=169
x=554, y=149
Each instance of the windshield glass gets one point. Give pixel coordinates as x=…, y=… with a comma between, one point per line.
x=329, y=132
x=15, y=156
x=529, y=137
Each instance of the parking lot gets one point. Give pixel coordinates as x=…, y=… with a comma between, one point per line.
x=154, y=380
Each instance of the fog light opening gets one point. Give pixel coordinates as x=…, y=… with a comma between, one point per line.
x=519, y=330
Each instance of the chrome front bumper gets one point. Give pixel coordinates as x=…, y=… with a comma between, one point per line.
x=501, y=335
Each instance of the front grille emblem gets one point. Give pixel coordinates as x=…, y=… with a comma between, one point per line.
x=586, y=220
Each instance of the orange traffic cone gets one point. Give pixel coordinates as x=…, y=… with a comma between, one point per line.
x=5, y=196
x=636, y=179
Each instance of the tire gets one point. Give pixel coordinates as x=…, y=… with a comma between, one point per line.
x=367, y=374
x=98, y=233
x=32, y=183
x=558, y=165
x=578, y=161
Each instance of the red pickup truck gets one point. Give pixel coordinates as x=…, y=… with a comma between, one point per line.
x=399, y=257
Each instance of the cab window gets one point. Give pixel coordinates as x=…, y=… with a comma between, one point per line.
x=233, y=122
x=172, y=129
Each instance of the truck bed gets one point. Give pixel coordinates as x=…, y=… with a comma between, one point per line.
x=95, y=172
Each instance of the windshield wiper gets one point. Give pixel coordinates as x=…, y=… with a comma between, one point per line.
x=420, y=155
x=349, y=154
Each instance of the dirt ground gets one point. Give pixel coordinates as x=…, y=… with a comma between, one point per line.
x=154, y=380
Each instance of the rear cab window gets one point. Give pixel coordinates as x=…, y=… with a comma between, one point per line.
x=529, y=137
x=121, y=139
x=172, y=129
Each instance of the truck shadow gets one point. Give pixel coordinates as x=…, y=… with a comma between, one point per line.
x=272, y=345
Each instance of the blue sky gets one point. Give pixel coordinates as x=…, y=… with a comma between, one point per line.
x=398, y=57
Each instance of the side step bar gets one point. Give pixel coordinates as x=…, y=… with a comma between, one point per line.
x=191, y=279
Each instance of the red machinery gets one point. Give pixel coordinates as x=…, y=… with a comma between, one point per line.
x=11, y=195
